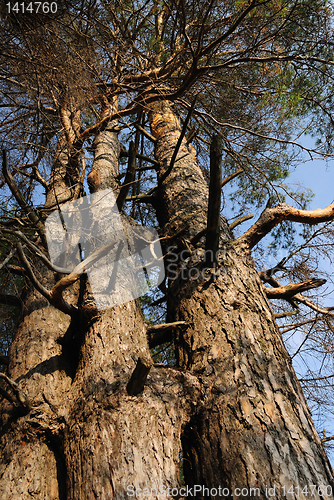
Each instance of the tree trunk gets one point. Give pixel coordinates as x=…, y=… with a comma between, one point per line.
x=252, y=429
x=85, y=436
x=234, y=403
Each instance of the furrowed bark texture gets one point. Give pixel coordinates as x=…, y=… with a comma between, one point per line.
x=85, y=436
x=252, y=428
x=114, y=440
x=106, y=155
x=32, y=464
x=185, y=184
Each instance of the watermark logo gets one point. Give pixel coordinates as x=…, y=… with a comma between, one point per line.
x=122, y=261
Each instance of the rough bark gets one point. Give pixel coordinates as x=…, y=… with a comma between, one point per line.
x=234, y=403
x=85, y=436
x=252, y=427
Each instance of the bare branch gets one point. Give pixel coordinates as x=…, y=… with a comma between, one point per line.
x=229, y=178
x=240, y=221
x=37, y=252
x=297, y=325
x=145, y=133
x=213, y=218
x=55, y=296
x=166, y=326
x=55, y=300
x=325, y=440
x=271, y=217
x=309, y=303
x=129, y=178
x=144, y=198
x=179, y=142
x=292, y=289
x=7, y=259
x=20, y=198
x=284, y=314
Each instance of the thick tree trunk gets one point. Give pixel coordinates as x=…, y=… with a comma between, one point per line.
x=252, y=429
x=32, y=464
x=234, y=403
x=85, y=436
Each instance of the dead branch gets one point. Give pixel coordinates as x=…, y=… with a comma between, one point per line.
x=55, y=299
x=144, y=198
x=37, y=252
x=325, y=440
x=213, y=219
x=292, y=326
x=165, y=326
x=20, y=198
x=315, y=379
x=158, y=301
x=284, y=314
x=139, y=376
x=229, y=178
x=307, y=302
x=292, y=289
x=300, y=298
x=240, y=221
x=145, y=133
x=129, y=178
x=179, y=142
x=20, y=271
x=55, y=296
x=271, y=217
x=7, y=259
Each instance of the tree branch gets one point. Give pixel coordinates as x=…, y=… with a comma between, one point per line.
x=129, y=178
x=144, y=198
x=165, y=326
x=299, y=298
x=229, y=178
x=324, y=440
x=270, y=217
x=55, y=300
x=213, y=219
x=145, y=133
x=179, y=142
x=297, y=325
x=240, y=221
x=21, y=200
x=284, y=314
x=7, y=259
x=55, y=296
x=292, y=289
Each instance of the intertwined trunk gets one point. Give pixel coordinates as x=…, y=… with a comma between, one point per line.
x=233, y=408
x=252, y=429
x=84, y=435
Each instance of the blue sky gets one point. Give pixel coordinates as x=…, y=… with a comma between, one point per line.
x=317, y=175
